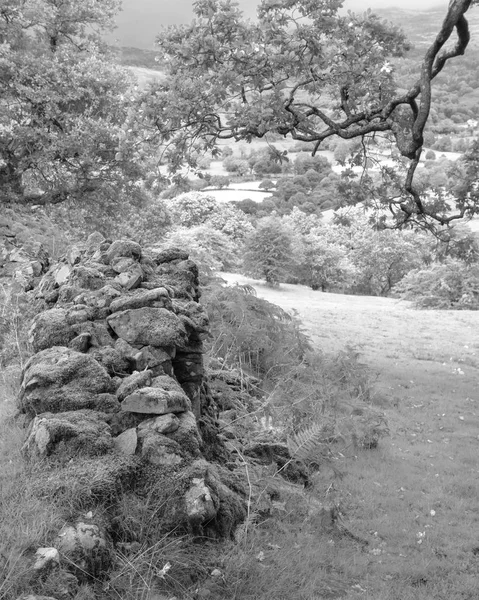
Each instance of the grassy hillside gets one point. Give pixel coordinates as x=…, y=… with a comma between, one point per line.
x=415, y=497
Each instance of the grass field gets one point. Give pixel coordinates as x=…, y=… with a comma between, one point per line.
x=416, y=497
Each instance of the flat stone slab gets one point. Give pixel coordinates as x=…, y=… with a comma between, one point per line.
x=149, y=327
x=126, y=442
x=157, y=401
x=140, y=299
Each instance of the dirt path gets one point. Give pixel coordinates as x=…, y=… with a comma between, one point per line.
x=425, y=480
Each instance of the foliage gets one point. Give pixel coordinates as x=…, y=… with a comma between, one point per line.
x=352, y=255
x=307, y=70
x=219, y=181
x=210, y=248
x=65, y=129
x=269, y=251
x=382, y=258
x=196, y=208
x=326, y=263
x=266, y=184
x=251, y=333
x=16, y=312
x=191, y=208
x=452, y=285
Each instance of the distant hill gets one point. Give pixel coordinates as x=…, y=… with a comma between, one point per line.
x=140, y=21
x=456, y=91
x=421, y=26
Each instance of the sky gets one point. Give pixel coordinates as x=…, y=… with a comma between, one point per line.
x=147, y=16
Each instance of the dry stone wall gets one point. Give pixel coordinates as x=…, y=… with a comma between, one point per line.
x=113, y=394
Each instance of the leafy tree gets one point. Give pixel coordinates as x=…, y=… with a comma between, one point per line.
x=191, y=208
x=247, y=206
x=66, y=108
x=326, y=263
x=210, y=248
x=266, y=184
x=195, y=208
x=305, y=162
x=451, y=285
x=269, y=251
x=235, y=165
x=219, y=181
x=300, y=222
x=307, y=70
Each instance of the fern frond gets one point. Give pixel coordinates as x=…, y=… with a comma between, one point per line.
x=246, y=289
x=305, y=444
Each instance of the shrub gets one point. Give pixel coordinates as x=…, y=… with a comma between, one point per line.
x=251, y=333
x=453, y=285
x=268, y=251
x=266, y=184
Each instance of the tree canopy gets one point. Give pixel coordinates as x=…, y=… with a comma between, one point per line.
x=307, y=70
x=65, y=105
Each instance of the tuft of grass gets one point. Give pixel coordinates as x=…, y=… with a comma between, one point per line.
x=26, y=521
x=16, y=311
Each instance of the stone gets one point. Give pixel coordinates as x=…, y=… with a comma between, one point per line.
x=50, y=328
x=107, y=403
x=122, y=421
x=80, y=313
x=148, y=327
x=68, y=293
x=81, y=432
x=187, y=434
x=136, y=380
x=121, y=264
x=158, y=298
x=207, y=501
x=74, y=255
x=80, y=343
x=157, y=401
x=164, y=424
x=188, y=366
x=132, y=355
x=169, y=255
x=59, y=379
x=158, y=449
x=124, y=248
x=126, y=442
x=156, y=360
x=46, y=559
x=94, y=241
x=98, y=331
x=62, y=274
x=111, y=359
x=103, y=297
x=87, y=278
x=85, y=550
x=132, y=278
x=181, y=276
x=195, y=316
x=200, y=506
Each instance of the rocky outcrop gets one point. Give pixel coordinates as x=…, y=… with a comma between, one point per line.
x=114, y=394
